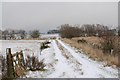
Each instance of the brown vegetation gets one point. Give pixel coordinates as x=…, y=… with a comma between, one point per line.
x=98, y=41
x=94, y=52
x=67, y=31
x=34, y=64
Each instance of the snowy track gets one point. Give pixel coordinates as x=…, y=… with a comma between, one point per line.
x=62, y=61
x=63, y=68
x=91, y=69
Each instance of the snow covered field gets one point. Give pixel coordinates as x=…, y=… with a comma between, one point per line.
x=49, y=35
x=62, y=61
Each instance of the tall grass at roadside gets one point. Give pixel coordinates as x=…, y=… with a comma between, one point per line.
x=94, y=53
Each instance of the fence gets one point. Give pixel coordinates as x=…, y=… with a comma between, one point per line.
x=15, y=64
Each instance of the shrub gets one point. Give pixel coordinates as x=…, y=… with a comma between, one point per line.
x=82, y=41
x=108, y=44
x=33, y=64
x=44, y=45
x=35, y=34
x=67, y=31
x=47, y=42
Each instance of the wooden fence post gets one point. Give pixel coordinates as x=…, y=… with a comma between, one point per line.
x=10, y=66
x=40, y=48
x=22, y=59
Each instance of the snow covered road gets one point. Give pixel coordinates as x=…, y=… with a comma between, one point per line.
x=63, y=68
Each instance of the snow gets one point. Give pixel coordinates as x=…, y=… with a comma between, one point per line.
x=78, y=65
x=62, y=69
x=91, y=68
x=29, y=47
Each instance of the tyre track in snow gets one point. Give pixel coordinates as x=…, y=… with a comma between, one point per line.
x=91, y=69
x=71, y=60
x=63, y=67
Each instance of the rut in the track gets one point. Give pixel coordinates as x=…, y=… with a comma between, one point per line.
x=70, y=59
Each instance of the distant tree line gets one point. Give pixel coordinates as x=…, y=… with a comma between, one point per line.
x=13, y=34
x=53, y=32
x=9, y=34
x=68, y=31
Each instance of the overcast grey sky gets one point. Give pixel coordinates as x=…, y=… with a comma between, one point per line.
x=49, y=15
x=0, y=15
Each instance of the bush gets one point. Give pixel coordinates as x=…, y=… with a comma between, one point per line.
x=33, y=64
x=44, y=45
x=67, y=31
x=108, y=44
x=47, y=42
x=81, y=41
x=35, y=34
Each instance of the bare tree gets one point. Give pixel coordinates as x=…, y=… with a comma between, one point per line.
x=67, y=31
x=22, y=33
x=11, y=33
x=118, y=30
x=0, y=34
x=89, y=29
x=109, y=42
x=35, y=34
x=4, y=34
